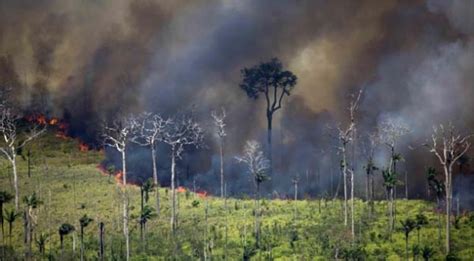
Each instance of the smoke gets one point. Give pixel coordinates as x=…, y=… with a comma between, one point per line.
x=85, y=61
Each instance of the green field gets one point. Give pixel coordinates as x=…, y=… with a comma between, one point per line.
x=70, y=185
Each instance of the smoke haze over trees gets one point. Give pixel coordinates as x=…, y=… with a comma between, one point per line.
x=84, y=61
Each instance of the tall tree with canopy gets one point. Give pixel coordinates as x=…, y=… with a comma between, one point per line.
x=271, y=80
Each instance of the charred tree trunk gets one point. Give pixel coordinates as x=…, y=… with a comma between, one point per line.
x=101, y=241
x=28, y=155
x=82, y=243
x=269, y=140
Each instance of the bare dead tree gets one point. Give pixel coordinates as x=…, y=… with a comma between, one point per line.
x=219, y=122
x=448, y=146
x=389, y=133
x=257, y=165
x=346, y=136
x=14, y=139
x=182, y=131
x=148, y=131
x=117, y=135
x=369, y=146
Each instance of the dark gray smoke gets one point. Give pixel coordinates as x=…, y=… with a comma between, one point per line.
x=89, y=60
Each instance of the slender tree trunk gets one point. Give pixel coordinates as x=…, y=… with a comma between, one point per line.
x=2, y=223
x=367, y=185
x=447, y=171
x=125, y=206
x=155, y=178
x=173, y=190
x=101, y=241
x=221, y=152
x=82, y=243
x=226, y=222
x=344, y=171
x=15, y=179
x=269, y=140
x=29, y=163
x=438, y=210
x=61, y=238
x=352, y=206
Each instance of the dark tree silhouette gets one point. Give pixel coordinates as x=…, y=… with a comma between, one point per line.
x=41, y=242
x=84, y=221
x=64, y=230
x=407, y=226
x=5, y=197
x=427, y=252
x=421, y=220
x=274, y=82
x=10, y=217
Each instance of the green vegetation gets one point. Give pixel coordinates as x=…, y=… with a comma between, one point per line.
x=68, y=191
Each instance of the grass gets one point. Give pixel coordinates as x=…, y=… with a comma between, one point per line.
x=70, y=185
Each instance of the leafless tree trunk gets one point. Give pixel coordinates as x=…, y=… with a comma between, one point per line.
x=117, y=135
x=173, y=190
x=101, y=241
x=452, y=147
x=9, y=128
x=219, y=122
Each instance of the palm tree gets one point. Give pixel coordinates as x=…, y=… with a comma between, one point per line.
x=145, y=190
x=41, y=242
x=32, y=202
x=145, y=215
x=10, y=217
x=390, y=181
x=437, y=186
x=427, y=252
x=64, y=230
x=84, y=221
x=421, y=221
x=5, y=197
x=407, y=226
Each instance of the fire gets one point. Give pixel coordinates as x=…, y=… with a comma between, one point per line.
x=53, y=121
x=61, y=135
x=181, y=189
x=119, y=177
x=41, y=120
x=83, y=147
x=202, y=194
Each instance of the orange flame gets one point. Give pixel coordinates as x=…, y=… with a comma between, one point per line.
x=181, y=189
x=83, y=147
x=53, y=121
x=119, y=177
x=202, y=194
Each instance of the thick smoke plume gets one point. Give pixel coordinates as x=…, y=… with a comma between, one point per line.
x=85, y=61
